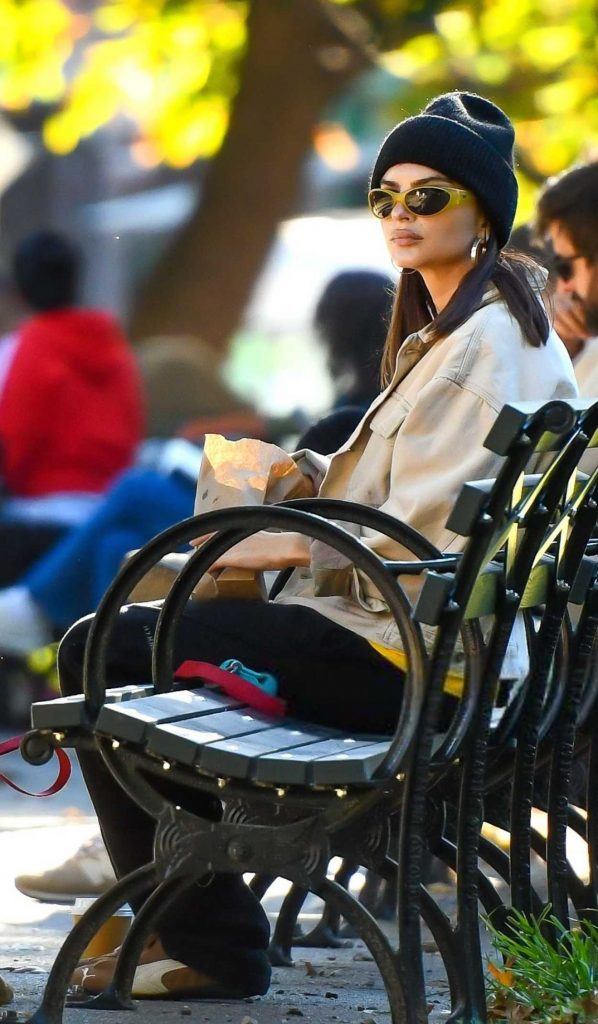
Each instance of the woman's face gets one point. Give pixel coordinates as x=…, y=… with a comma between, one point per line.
x=440, y=242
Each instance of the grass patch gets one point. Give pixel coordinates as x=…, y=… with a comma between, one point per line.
x=542, y=971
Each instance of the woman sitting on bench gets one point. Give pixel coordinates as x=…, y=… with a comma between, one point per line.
x=468, y=334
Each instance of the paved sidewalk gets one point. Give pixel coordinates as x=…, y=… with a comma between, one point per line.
x=325, y=985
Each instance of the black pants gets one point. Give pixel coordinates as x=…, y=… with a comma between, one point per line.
x=327, y=674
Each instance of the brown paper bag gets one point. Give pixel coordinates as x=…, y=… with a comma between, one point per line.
x=245, y=472
x=232, y=474
x=156, y=583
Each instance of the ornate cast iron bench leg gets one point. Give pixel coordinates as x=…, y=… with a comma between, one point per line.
x=117, y=996
x=51, y=1008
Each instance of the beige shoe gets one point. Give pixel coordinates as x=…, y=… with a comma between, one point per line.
x=6, y=993
x=87, y=873
x=156, y=977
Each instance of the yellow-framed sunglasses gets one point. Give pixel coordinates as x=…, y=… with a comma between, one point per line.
x=425, y=201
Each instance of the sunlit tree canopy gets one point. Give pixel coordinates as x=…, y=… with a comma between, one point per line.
x=537, y=58
x=172, y=68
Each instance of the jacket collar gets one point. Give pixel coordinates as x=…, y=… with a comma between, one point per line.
x=417, y=344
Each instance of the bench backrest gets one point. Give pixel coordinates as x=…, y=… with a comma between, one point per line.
x=527, y=533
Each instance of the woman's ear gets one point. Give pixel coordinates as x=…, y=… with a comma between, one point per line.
x=484, y=230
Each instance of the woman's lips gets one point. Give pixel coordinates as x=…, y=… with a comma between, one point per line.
x=405, y=238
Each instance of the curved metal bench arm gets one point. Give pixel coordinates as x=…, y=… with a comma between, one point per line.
x=237, y=524
x=371, y=519
x=233, y=525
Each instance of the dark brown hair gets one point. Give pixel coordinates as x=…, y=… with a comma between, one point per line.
x=512, y=274
x=572, y=200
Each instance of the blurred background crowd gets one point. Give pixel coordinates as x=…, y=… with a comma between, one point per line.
x=185, y=246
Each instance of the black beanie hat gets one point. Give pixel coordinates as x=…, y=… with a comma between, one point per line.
x=469, y=139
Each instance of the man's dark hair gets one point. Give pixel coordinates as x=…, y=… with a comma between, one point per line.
x=46, y=269
x=572, y=200
x=352, y=319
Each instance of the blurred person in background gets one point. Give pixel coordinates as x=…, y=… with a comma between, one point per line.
x=351, y=320
x=185, y=398
x=568, y=216
x=71, y=407
x=12, y=312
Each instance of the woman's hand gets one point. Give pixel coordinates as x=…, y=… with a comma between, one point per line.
x=310, y=490
x=263, y=550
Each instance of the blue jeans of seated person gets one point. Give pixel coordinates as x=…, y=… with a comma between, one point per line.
x=327, y=673
x=71, y=578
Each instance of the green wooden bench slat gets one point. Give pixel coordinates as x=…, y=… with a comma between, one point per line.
x=133, y=721
x=70, y=712
x=355, y=765
x=238, y=757
x=184, y=741
x=337, y=761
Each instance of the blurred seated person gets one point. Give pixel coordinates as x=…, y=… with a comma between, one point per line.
x=571, y=298
x=71, y=407
x=186, y=398
x=568, y=217
x=351, y=319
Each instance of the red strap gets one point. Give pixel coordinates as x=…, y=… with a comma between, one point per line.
x=234, y=685
x=64, y=769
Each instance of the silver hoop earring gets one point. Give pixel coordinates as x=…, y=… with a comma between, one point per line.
x=478, y=249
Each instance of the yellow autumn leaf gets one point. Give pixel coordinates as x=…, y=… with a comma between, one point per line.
x=229, y=33
x=454, y=24
x=194, y=132
x=550, y=46
x=113, y=18
x=561, y=97
x=504, y=976
x=492, y=68
x=60, y=133
x=500, y=23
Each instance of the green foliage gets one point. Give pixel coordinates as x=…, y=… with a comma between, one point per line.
x=172, y=68
x=543, y=980
x=536, y=58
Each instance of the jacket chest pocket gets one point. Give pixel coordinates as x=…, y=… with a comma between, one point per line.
x=370, y=479
x=388, y=418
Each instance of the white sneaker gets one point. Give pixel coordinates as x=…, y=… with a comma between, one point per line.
x=87, y=873
x=23, y=626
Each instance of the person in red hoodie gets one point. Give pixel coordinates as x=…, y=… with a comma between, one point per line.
x=71, y=406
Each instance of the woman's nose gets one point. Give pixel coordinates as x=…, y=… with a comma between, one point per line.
x=400, y=212
x=565, y=287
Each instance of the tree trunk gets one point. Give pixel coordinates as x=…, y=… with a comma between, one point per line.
x=300, y=54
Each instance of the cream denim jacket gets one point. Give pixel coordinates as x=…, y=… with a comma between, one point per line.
x=419, y=442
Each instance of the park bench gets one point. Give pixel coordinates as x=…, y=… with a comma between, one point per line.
x=294, y=794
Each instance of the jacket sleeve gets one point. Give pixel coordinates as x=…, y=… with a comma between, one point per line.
x=312, y=465
x=438, y=446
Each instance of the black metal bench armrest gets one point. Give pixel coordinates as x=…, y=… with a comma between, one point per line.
x=371, y=519
x=362, y=515
x=446, y=564
x=234, y=525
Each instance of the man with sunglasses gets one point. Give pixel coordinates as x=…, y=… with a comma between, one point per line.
x=568, y=216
